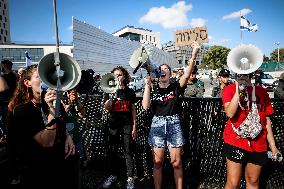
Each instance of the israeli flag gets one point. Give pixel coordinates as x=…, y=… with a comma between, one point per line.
x=28, y=59
x=246, y=25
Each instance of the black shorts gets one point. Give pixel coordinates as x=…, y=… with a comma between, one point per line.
x=243, y=157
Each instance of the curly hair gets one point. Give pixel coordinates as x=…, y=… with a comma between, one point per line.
x=23, y=93
x=125, y=73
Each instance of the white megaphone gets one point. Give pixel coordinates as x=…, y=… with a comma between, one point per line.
x=70, y=72
x=109, y=83
x=244, y=59
x=140, y=59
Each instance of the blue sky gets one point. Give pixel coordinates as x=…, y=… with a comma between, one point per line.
x=33, y=21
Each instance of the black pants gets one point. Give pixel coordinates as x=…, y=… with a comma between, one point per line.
x=114, y=140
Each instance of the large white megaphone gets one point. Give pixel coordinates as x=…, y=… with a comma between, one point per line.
x=109, y=83
x=69, y=69
x=140, y=59
x=244, y=59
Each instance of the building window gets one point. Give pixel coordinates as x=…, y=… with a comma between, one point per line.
x=154, y=39
x=6, y=32
x=4, y=25
x=146, y=37
x=4, y=39
x=3, y=12
x=1, y=31
x=5, y=19
x=1, y=17
x=150, y=38
x=4, y=6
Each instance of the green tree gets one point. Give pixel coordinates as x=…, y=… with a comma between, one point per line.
x=274, y=55
x=215, y=57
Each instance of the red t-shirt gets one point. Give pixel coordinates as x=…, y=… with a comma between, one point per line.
x=264, y=109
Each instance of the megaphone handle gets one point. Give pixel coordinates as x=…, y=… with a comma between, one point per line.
x=137, y=67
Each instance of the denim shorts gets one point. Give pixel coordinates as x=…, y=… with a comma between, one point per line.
x=166, y=131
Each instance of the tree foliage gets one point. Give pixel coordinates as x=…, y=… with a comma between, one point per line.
x=215, y=57
x=274, y=55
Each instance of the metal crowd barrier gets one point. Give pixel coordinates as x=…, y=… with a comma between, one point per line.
x=203, y=121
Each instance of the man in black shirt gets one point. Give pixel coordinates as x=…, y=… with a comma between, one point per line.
x=10, y=78
x=8, y=82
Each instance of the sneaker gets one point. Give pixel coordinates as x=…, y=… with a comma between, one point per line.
x=130, y=183
x=108, y=182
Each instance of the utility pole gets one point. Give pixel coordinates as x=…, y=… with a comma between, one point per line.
x=277, y=43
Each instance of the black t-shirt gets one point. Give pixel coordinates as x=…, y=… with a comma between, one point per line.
x=24, y=123
x=121, y=112
x=11, y=80
x=165, y=101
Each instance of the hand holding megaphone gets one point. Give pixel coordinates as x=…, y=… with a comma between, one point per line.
x=50, y=98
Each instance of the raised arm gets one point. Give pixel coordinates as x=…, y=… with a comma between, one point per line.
x=47, y=136
x=191, y=62
x=232, y=106
x=147, y=92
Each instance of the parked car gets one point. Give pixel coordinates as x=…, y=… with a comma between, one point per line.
x=203, y=75
x=268, y=82
x=136, y=83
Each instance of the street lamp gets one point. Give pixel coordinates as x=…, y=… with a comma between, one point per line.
x=277, y=43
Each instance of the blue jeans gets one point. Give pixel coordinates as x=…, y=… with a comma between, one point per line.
x=166, y=131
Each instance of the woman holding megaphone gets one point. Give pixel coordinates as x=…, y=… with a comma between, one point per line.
x=166, y=128
x=121, y=107
x=38, y=141
x=246, y=132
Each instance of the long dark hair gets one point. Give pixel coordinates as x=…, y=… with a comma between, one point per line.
x=23, y=94
x=125, y=73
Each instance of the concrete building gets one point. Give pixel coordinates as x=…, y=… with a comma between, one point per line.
x=4, y=22
x=16, y=52
x=141, y=35
x=183, y=54
x=98, y=50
